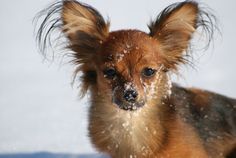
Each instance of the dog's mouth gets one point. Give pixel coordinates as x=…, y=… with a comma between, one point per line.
x=128, y=106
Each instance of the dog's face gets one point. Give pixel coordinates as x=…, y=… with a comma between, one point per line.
x=129, y=69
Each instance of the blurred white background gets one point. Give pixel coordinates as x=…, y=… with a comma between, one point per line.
x=39, y=109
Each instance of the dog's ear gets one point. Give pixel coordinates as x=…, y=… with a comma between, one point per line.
x=174, y=28
x=85, y=28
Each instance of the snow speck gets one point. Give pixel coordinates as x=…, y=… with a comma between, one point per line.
x=134, y=107
x=125, y=51
x=154, y=132
x=119, y=57
x=125, y=124
x=127, y=45
x=169, y=84
x=128, y=86
x=117, y=146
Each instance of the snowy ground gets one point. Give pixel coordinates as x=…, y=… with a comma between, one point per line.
x=40, y=111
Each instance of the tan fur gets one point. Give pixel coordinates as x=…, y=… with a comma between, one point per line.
x=184, y=142
x=180, y=24
x=77, y=17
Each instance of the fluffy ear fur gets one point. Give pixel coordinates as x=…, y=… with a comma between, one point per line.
x=84, y=26
x=174, y=28
x=85, y=31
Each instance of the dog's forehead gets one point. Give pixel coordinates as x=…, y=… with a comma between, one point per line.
x=128, y=46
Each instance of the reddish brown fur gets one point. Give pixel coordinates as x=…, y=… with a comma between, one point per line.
x=201, y=98
x=136, y=112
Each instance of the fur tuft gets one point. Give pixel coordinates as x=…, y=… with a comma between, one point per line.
x=174, y=28
x=83, y=30
x=49, y=29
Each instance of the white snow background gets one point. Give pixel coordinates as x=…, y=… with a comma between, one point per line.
x=41, y=112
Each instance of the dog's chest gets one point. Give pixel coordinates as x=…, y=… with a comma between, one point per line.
x=129, y=134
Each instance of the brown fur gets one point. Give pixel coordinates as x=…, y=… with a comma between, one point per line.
x=136, y=112
x=201, y=98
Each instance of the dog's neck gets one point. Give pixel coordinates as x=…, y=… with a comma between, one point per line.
x=127, y=133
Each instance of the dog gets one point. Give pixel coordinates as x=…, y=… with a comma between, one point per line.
x=136, y=111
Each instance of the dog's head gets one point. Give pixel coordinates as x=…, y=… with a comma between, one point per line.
x=128, y=67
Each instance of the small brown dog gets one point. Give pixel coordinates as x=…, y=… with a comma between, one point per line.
x=136, y=112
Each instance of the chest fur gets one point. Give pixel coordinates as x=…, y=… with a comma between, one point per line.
x=125, y=134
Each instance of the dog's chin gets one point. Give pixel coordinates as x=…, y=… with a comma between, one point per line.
x=128, y=106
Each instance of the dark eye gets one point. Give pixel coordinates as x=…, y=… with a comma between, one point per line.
x=148, y=72
x=109, y=73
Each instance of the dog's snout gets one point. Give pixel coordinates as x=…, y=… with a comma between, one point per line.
x=130, y=95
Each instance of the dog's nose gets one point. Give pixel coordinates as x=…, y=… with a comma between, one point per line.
x=130, y=95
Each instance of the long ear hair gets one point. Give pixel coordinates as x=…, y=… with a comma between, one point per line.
x=83, y=29
x=175, y=26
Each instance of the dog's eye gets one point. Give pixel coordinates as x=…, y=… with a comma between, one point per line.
x=148, y=72
x=109, y=73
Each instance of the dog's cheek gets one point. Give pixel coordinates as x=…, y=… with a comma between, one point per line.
x=117, y=93
x=156, y=86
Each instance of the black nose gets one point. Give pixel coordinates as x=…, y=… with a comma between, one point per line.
x=130, y=95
